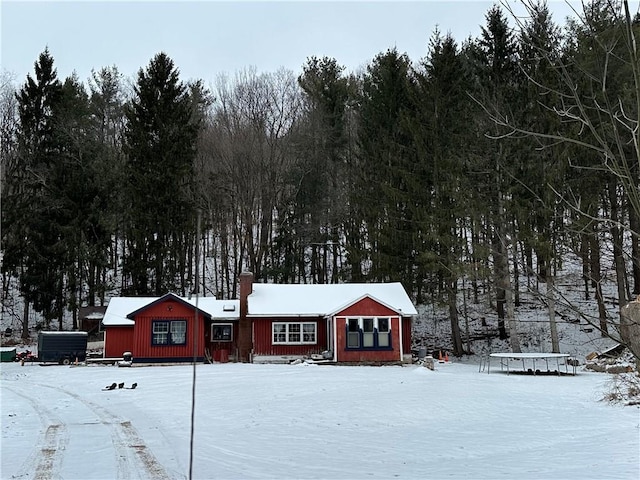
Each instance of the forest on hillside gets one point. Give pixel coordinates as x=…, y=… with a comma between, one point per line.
x=484, y=162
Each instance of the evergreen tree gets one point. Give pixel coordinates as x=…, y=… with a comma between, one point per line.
x=104, y=220
x=312, y=222
x=541, y=171
x=32, y=250
x=498, y=77
x=442, y=137
x=160, y=145
x=384, y=190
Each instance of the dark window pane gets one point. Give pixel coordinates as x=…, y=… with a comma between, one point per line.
x=353, y=325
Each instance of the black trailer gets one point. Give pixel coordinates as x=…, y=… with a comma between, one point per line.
x=62, y=347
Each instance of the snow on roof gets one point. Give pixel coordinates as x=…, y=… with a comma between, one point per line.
x=310, y=300
x=120, y=307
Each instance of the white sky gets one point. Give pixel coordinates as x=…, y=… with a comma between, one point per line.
x=206, y=38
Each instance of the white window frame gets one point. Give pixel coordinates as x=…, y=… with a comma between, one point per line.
x=386, y=335
x=294, y=330
x=166, y=332
x=369, y=340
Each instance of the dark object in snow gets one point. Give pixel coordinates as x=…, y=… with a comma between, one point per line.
x=134, y=385
x=121, y=385
x=111, y=387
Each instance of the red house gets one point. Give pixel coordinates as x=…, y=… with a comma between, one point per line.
x=342, y=323
x=170, y=328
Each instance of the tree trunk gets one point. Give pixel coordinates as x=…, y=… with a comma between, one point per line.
x=616, y=240
x=584, y=256
x=514, y=341
x=466, y=316
x=551, y=305
x=456, y=338
x=25, y=321
x=516, y=274
x=499, y=261
x=596, y=281
x=634, y=226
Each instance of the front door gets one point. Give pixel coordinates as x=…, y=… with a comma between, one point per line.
x=222, y=341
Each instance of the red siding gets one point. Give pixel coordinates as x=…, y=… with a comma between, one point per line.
x=117, y=341
x=367, y=307
x=262, y=340
x=365, y=356
x=216, y=347
x=169, y=310
x=406, y=335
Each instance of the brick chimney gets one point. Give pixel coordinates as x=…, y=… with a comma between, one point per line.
x=245, y=343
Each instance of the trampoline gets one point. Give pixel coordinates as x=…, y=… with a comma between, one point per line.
x=530, y=362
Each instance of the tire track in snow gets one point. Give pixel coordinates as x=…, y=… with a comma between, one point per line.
x=134, y=459
x=48, y=451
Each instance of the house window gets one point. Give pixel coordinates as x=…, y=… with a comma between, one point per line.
x=279, y=333
x=368, y=333
x=308, y=333
x=294, y=333
x=169, y=332
x=222, y=332
x=353, y=333
x=384, y=332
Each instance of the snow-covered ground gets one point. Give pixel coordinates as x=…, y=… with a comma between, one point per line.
x=312, y=422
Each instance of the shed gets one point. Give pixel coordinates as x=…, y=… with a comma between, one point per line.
x=91, y=319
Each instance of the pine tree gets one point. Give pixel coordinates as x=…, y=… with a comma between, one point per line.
x=30, y=211
x=498, y=77
x=384, y=191
x=105, y=210
x=541, y=170
x=160, y=146
x=442, y=137
x=318, y=211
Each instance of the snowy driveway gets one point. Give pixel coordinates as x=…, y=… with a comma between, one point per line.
x=71, y=427
x=312, y=422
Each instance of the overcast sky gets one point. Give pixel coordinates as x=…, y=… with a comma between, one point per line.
x=206, y=38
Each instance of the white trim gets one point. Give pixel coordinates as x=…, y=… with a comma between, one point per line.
x=362, y=297
x=287, y=333
x=335, y=339
x=376, y=333
x=400, y=336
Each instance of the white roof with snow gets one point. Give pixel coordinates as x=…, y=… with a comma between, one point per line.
x=120, y=307
x=323, y=300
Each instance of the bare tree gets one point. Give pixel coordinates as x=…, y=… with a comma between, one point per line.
x=599, y=117
x=246, y=161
